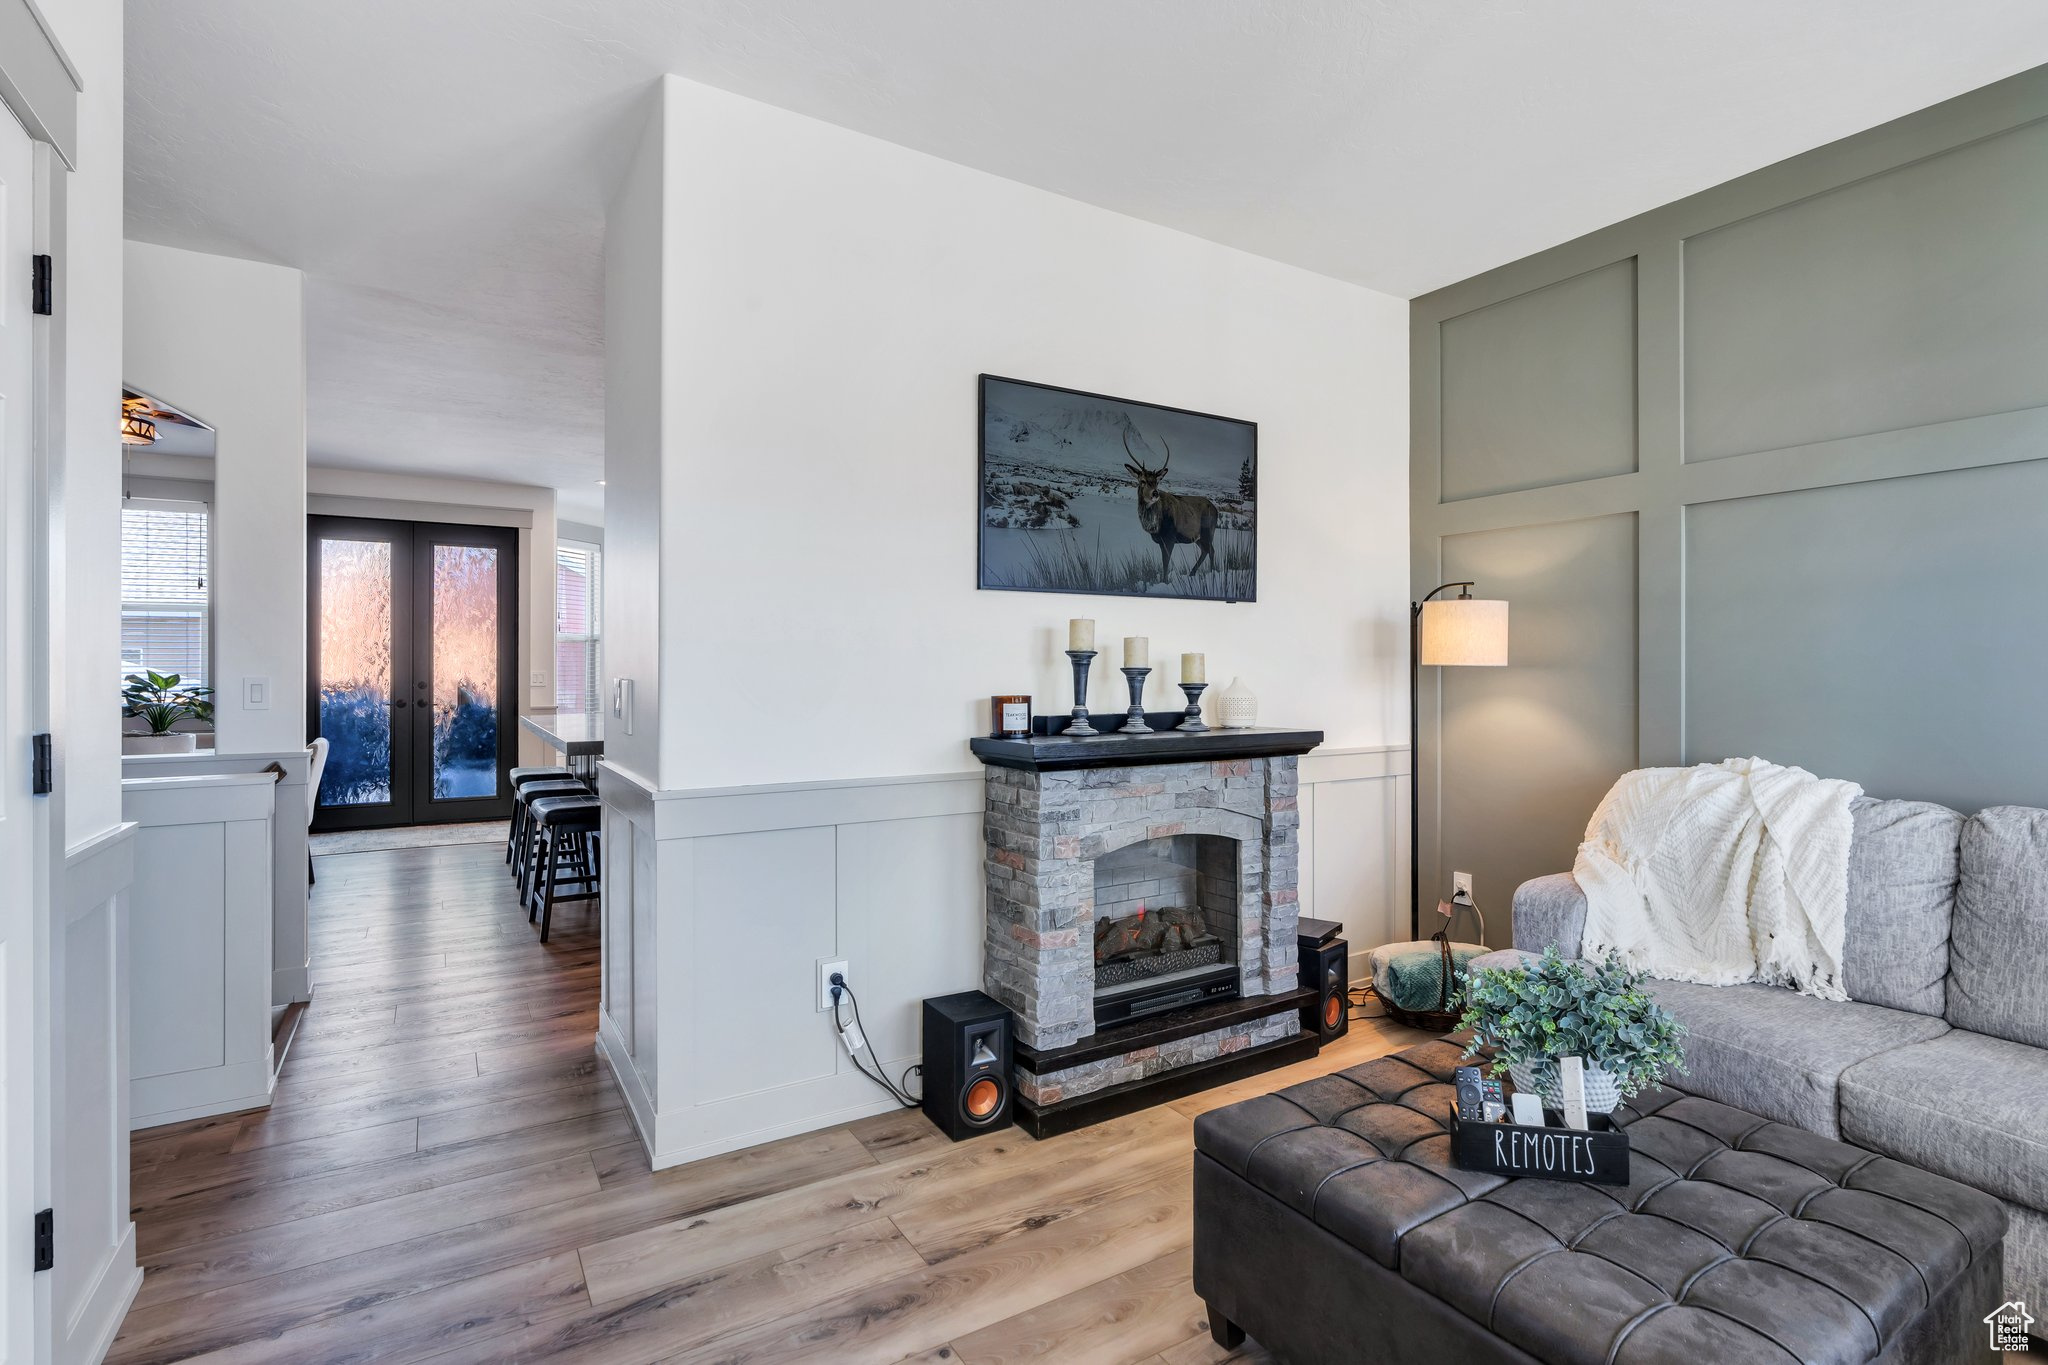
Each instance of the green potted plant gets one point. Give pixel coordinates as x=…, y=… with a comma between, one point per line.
x=1550, y=1008
x=160, y=701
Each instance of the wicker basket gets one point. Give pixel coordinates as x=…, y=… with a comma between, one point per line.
x=1443, y=1018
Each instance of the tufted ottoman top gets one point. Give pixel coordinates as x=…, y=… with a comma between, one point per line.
x=1736, y=1238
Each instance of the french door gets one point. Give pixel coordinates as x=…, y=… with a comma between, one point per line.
x=412, y=664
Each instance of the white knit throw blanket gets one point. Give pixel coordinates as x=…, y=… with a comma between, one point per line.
x=1723, y=873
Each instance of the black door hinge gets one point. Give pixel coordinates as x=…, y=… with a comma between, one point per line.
x=39, y=290
x=43, y=775
x=46, y=1239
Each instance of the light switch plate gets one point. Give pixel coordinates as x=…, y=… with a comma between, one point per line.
x=255, y=694
x=540, y=678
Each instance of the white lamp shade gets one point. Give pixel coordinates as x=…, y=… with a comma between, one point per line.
x=1465, y=631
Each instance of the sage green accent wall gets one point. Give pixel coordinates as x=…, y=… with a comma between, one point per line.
x=1763, y=471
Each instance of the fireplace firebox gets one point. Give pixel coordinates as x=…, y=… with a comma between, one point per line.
x=1166, y=926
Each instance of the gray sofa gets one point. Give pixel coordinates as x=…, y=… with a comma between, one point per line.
x=1940, y=1057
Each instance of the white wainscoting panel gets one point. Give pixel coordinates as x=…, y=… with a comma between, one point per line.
x=200, y=985
x=291, y=912
x=96, y=1275
x=719, y=904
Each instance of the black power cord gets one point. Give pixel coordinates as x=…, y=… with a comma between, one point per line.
x=899, y=1091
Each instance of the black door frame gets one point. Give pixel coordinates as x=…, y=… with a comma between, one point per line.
x=412, y=741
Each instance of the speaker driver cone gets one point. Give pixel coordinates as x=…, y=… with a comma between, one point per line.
x=983, y=1098
x=1333, y=1012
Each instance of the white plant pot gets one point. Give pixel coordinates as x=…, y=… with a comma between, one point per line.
x=1603, y=1093
x=173, y=743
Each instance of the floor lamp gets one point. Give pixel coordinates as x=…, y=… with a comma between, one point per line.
x=1456, y=631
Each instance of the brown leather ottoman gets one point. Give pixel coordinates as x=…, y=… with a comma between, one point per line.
x=1331, y=1226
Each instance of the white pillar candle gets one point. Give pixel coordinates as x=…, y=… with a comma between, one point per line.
x=1137, y=652
x=1194, y=668
x=1080, y=635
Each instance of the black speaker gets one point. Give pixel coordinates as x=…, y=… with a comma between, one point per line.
x=969, y=1073
x=1326, y=970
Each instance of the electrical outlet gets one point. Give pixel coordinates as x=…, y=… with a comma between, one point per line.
x=1461, y=884
x=827, y=966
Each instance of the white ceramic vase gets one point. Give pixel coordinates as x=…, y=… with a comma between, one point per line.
x=1238, y=707
x=177, y=742
x=1603, y=1093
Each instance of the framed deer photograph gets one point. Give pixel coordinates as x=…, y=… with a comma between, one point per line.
x=1085, y=493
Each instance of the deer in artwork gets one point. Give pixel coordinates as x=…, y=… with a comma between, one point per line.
x=1171, y=518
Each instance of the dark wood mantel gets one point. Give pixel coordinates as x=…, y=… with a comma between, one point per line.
x=1046, y=751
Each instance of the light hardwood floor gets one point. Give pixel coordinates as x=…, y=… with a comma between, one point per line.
x=448, y=1174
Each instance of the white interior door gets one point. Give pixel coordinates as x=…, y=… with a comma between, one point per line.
x=18, y=848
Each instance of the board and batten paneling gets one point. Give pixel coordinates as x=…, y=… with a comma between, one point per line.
x=1837, y=384
x=719, y=905
x=200, y=935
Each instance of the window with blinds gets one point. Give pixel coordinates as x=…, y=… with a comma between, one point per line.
x=579, y=610
x=164, y=606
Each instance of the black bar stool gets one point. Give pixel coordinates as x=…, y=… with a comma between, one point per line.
x=524, y=831
x=567, y=832
x=522, y=777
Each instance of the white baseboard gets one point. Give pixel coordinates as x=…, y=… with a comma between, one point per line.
x=158, y=1100
x=113, y=1292
x=639, y=1103
x=291, y=985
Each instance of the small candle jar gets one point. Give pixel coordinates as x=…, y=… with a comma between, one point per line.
x=1010, y=717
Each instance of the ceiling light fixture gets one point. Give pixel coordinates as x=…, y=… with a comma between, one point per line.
x=136, y=427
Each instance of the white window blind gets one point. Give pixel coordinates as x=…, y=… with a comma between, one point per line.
x=579, y=612
x=164, y=602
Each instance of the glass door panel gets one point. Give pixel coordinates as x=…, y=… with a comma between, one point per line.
x=355, y=678
x=464, y=672
x=464, y=698
x=358, y=643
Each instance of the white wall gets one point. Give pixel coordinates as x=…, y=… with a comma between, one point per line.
x=803, y=406
x=832, y=298
x=635, y=319
x=224, y=340
x=471, y=502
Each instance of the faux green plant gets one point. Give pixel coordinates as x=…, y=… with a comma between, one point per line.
x=1553, y=1008
x=163, y=699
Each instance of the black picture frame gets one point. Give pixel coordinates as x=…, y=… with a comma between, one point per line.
x=1035, y=508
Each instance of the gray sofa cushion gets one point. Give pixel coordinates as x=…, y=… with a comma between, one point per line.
x=1998, y=944
x=1780, y=1054
x=1962, y=1105
x=1902, y=891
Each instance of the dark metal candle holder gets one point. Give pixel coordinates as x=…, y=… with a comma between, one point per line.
x=1134, y=724
x=1079, y=724
x=1194, y=717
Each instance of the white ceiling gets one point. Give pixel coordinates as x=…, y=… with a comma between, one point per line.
x=439, y=167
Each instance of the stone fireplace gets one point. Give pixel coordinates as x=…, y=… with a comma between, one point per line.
x=1141, y=909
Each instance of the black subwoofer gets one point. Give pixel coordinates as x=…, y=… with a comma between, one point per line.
x=1325, y=969
x=969, y=1073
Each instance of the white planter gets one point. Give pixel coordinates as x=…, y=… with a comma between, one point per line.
x=173, y=743
x=1540, y=1078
